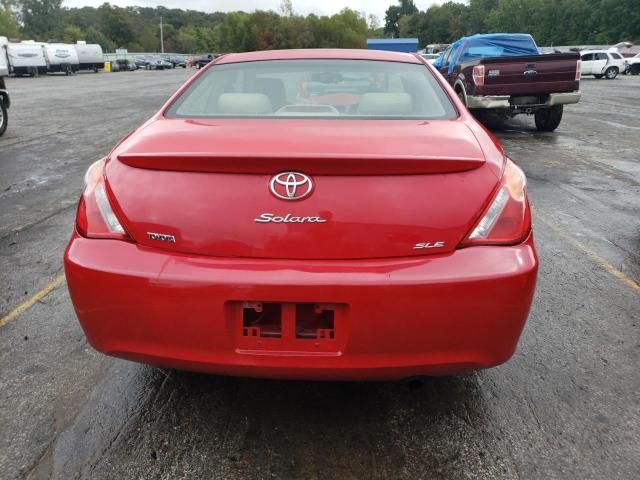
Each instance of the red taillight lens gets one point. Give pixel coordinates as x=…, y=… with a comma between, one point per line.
x=507, y=221
x=578, y=70
x=95, y=218
x=478, y=75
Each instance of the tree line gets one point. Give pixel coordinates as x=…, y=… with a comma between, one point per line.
x=184, y=31
x=551, y=22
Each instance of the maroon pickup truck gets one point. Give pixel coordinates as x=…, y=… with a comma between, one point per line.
x=504, y=75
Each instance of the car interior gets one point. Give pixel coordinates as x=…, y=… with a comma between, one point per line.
x=328, y=89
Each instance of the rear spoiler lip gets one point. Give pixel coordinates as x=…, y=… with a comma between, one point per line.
x=314, y=164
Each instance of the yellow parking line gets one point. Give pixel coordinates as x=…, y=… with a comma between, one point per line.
x=27, y=304
x=601, y=262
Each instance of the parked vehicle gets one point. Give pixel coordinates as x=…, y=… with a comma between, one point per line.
x=155, y=62
x=634, y=64
x=177, y=62
x=123, y=65
x=5, y=101
x=90, y=56
x=140, y=61
x=205, y=59
x=167, y=63
x=602, y=63
x=26, y=58
x=61, y=57
x=340, y=216
x=505, y=75
x=430, y=57
x=436, y=47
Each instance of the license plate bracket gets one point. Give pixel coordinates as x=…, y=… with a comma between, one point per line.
x=292, y=327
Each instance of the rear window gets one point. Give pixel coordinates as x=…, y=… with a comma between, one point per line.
x=315, y=89
x=485, y=51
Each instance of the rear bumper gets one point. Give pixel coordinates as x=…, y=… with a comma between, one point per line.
x=504, y=101
x=433, y=315
x=564, y=98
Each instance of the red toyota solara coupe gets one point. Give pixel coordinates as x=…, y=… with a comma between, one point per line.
x=307, y=214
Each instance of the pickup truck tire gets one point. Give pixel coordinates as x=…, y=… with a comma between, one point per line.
x=611, y=73
x=548, y=119
x=462, y=97
x=3, y=118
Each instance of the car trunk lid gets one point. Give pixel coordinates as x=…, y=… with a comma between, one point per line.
x=380, y=188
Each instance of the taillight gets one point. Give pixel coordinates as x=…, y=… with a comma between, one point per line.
x=478, y=75
x=578, y=70
x=96, y=218
x=507, y=221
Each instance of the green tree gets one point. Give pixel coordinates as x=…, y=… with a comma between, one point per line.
x=395, y=13
x=475, y=16
x=8, y=24
x=233, y=33
x=149, y=39
x=391, y=19
x=185, y=41
x=72, y=33
x=407, y=7
x=551, y=22
x=116, y=23
x=40, y=18
x=93, y=35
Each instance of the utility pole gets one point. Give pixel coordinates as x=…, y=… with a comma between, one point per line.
x=161, y=37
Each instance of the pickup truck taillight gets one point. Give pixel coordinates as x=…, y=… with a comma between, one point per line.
x=478, y=75
x=578, y=70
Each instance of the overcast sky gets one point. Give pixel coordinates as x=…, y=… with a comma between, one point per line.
x=319, y=7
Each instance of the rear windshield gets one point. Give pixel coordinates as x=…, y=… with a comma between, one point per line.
x=315, y=89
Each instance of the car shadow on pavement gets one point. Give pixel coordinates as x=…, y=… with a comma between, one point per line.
x=142, y=420
x=520, y=124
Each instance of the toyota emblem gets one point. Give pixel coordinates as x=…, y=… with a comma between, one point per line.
x=291, y=186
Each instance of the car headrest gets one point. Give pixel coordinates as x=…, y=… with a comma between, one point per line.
x=244, y=104
x=385, y=104
x=272, y=88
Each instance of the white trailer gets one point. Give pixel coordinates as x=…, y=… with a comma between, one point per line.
x=61, y=57
x=90, y=56
x=4, y=93
x=26, y=58
x=4, y=60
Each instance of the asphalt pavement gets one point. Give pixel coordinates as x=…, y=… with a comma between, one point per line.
x=566, y=406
